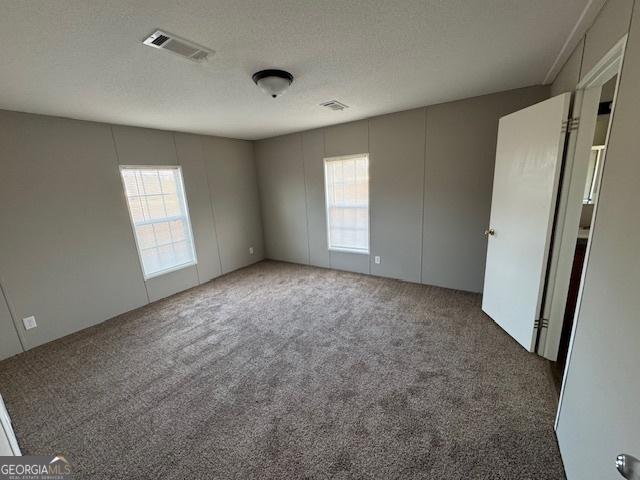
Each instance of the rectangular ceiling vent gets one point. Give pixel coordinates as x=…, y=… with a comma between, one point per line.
x=174, y=44
x=334, y=105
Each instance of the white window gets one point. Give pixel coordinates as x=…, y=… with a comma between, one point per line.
x=160, y=218
x=347, y=191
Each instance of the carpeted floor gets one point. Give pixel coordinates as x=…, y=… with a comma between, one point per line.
x=281, y=371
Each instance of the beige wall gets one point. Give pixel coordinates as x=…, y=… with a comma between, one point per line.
x=9, y=341
x=611, y=24
x=461, y=147
x=569, y=75
x=602, y=125
x=67, y=254
x=604, y=357
x=231, y=176
x=431, y=173
x=396, y=148
x=599, y=411
x=282, y=192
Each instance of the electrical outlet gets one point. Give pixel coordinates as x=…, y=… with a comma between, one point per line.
x=29, y=322
x=250, y=250
x=376, y=259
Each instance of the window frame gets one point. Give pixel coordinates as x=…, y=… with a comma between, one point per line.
x=181, y=191
x=357, y=251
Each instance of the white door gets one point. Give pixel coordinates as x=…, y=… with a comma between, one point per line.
x=525, y=186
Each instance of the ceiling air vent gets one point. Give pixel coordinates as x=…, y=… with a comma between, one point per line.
x=174, y=44
x=334, y=105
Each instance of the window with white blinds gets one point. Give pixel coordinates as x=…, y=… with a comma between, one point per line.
x=160, y=218
x=347, y=202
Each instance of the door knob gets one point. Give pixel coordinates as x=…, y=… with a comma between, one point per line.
x=489, y=231
x=628, y=466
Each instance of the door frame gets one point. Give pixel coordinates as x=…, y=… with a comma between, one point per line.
x=610, y=65
x=563, y=247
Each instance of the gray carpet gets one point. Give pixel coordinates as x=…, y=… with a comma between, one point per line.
x=282, y=371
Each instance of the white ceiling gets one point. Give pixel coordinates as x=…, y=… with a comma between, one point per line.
x=84, y=59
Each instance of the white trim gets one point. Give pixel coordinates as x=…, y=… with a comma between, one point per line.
x=585, y=20
x=150, y=167
x=151, y=222
x=596, y=77
x=169, y=270
x=349, y=250
x=608, y=66
x=346, y=157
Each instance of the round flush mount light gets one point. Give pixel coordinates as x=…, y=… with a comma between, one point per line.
x=273, y=82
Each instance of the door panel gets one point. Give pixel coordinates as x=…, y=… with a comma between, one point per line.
x=525, y=186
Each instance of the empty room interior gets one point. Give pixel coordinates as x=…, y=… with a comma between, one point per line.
x=284, y=239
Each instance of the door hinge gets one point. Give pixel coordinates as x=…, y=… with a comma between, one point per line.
x=571, y=124
x=541, y=323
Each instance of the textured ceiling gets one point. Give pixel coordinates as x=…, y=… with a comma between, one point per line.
x=84, y=59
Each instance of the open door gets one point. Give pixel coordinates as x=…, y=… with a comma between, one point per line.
x=525, y=187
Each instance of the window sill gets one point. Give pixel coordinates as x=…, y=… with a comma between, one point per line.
x=169, y=270
x=349, y=250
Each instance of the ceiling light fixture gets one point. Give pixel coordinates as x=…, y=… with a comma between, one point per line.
x=273, y=82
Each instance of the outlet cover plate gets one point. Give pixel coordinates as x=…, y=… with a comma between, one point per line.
x=29, y=322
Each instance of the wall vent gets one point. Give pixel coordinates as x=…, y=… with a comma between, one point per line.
x=334, y=105
x=174, y=44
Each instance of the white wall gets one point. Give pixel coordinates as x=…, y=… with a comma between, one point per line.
x=67, y=251
x=431, y=174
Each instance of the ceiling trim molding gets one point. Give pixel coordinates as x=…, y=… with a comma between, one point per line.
x=585, y=20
